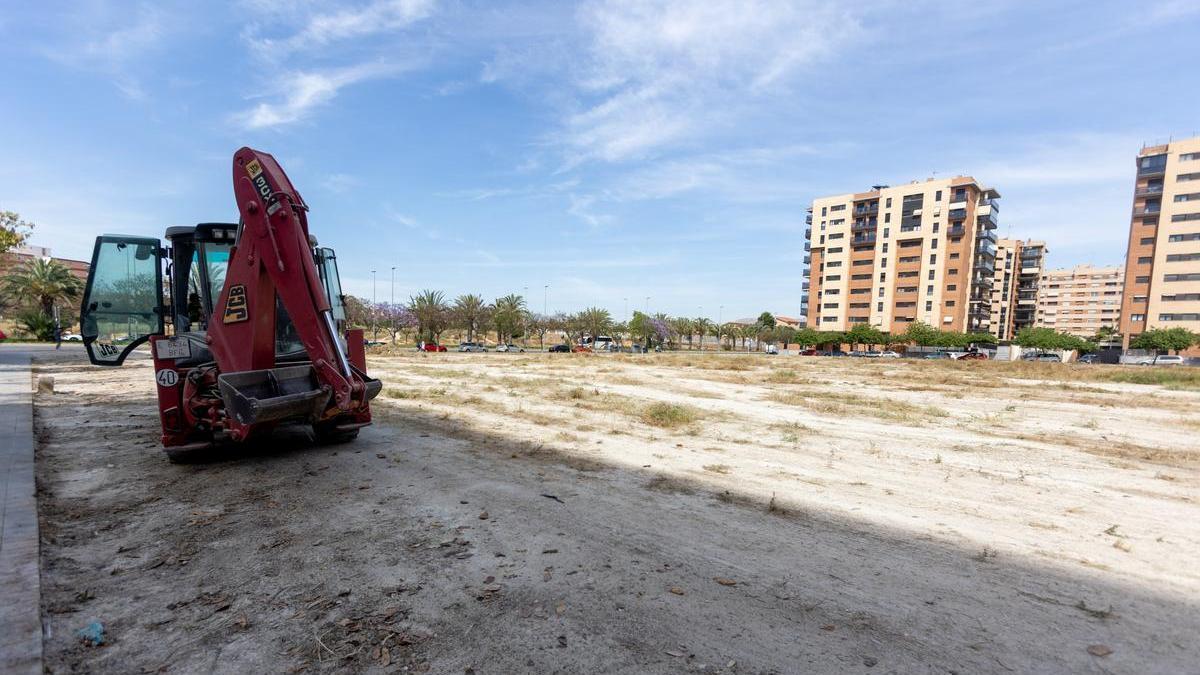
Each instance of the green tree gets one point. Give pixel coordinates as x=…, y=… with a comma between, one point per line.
x=830, y=338
x=1165, y=340
x=701, y=326
x=43, y=283
x=864, y=334
x=807, y=337
x=429, y=307
x=469, y=313
x=766, y=320
x=596, y=321
x=682, y=327
x=13, y=231
x=921, y=333
x=508, y=317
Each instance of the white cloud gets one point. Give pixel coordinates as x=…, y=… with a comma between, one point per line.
x=658, y=73
x=339, y=182
x=372, y=18
x=303, y=91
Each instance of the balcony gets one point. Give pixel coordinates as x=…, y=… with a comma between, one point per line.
x=989, y=235
x=867, y=210
x=1154, y=170
x=957, y=214
x=807, y=260
x=988, y=205
x=956, y=231
x=988, y=220
x=807, y=247
x=1147, y=210
x=985, y=264
x=1148, y=190
x=865, y=225
x=987, y=248
x=863, y=240
x=808, y=233
x=808, y=219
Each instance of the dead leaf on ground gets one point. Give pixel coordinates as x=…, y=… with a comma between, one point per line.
x=1099, y=650
x=725, y=582
x=677, y=590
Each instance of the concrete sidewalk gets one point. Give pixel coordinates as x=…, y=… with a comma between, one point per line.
x=20, y=603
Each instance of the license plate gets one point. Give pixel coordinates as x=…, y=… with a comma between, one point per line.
x=172, y=348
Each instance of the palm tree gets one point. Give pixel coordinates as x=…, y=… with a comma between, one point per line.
x=470, y=311
x=430, y=309
x=508, y=314
x=682, y=326
x=701, y=326
x=596, y=321
x=43, y=283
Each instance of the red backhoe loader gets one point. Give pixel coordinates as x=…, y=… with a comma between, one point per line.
x=256, y=313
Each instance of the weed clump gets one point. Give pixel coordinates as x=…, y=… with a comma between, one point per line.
x=669, y=415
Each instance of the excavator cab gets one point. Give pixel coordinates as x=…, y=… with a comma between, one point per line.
x=124, y=304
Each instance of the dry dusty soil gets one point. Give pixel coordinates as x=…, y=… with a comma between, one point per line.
x=676, y=513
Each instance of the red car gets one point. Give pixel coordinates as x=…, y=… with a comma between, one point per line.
x=808, y=352
x=3, y=337
x=430, y=347
x=580, y=349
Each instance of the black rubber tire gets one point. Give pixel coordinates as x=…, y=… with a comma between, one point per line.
x=327, y=436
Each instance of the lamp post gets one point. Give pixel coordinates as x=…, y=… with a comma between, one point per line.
x=626, y=313
x=392, y=308
x=647, y=305
x=374, y=310
x=545, y=298
x=524, y=319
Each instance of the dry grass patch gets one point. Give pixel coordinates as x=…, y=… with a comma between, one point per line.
x=722, y=469
x=669, y=415
x=839, y=403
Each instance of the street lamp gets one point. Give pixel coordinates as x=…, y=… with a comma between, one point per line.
x=545, y=298
x=374, y=310
x=392, y=308
x=626, y=313
x=647, y=305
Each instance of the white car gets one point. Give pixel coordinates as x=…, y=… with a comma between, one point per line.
x=1163, y=360
x=72, y=337
x=771, y=349
x=889, y=354
x=509, y=348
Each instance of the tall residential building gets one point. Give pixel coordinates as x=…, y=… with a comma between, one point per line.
x=1162, y=261
x=1015, y=286
x=893, y=255
x=1081, y=300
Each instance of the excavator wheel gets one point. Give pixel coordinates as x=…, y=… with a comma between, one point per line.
x=190, y=453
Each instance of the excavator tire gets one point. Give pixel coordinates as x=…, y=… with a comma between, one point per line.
x=332, y=435
x=189, y=454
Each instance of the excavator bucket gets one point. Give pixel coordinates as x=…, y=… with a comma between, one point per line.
x=275, y=394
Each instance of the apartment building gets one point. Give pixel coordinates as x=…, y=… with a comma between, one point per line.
x=1015, y=286
x=1162, y=260
x=893, y=255
x=1081, y=300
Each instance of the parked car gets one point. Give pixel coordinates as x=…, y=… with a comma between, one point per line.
x=3, y=336
x=430, y=347
x=1048, y=358
x=471, y=347
x=808, y=352
x=580, y=349
x=973, y=356
x=566, y=349
x=1087, y=359
x=938, y=356
x=872, y=354
x=1163, y=360
x=889, y=354
x=509, y=348
x=771, y=349
x=834, y=352
x=72, y=337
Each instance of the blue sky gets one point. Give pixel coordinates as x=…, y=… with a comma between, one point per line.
x=610, y=150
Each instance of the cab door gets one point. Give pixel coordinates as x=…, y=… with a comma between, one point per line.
x=123, y=301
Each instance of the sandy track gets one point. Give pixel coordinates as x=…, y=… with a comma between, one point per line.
x=950, y=534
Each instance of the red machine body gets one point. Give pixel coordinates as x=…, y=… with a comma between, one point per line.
x=232, y=380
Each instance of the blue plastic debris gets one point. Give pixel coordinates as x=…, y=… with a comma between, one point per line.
x=93, y=634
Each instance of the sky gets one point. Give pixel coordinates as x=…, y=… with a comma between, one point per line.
x=629, y=155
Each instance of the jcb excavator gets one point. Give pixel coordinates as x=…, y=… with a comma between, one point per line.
x=256, y=313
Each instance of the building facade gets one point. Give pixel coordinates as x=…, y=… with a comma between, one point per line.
x=1015, y=286
x=1081, y=300
x=1162, y=260
x=924, y=251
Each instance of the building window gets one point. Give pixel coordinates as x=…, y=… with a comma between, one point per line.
x=838, y=207
x=950, y=288
x=1141, y=280
x=1189, y=156
x=1182, y=217
x=934, y=244
x=834, y=263
x=931, y=272
x=932, y=258
x=1188, y=197
x=886, y=230
x=949, y=303
x=928, y=305
x=1145, y=260
x=1150, y=220
x=1147, y=240
x=888, y=203
x=835, y=249
x=1181, y=297
x=1190, y=236
x=880, y=292
x=833, y=277
x=885, y=247
x=954, y=256
x=1179, y=317
x=883, y=276
x=883, y=262
x=824, y=210
x=837, y=235
x=1183, y=257
x=822, y=239
x=833, y=291
x=935, y=228
x=1184, y=177
x=830, y=305
x=929, y=289
x=937, y=196
x=887, y=218
x=1190, y=276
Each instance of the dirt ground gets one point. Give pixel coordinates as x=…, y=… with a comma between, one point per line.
x=681, y=513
